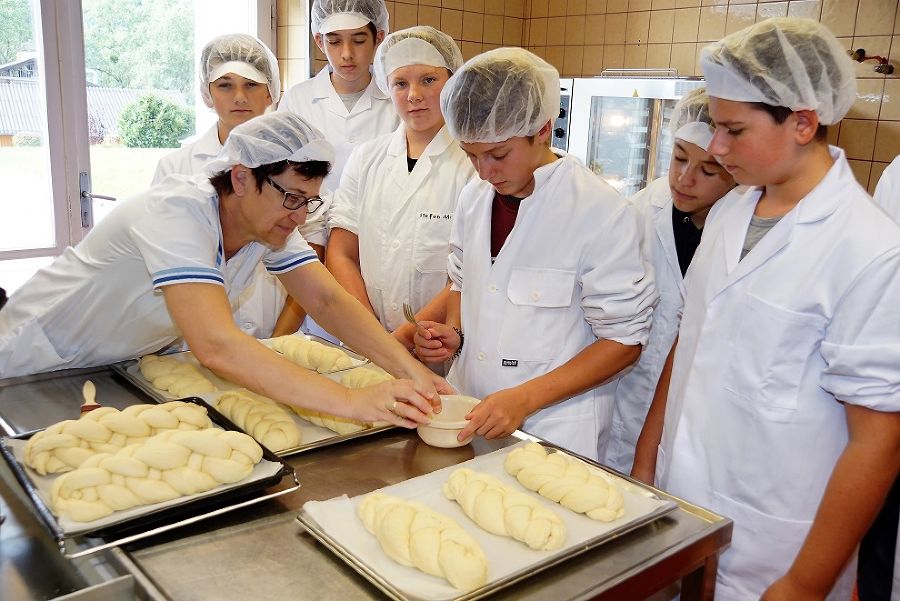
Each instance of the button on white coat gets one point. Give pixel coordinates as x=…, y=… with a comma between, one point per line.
x=492, y=289
x=481, y=356
x=535, y=295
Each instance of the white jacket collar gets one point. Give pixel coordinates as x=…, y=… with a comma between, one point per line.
x=323, y=88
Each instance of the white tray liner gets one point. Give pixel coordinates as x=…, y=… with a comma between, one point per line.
x=337, y=517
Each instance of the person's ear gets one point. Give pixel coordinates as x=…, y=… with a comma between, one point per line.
x=379, y=37
x=240, y=179
x=806, y=123
x=543, y=135
x=319, y=42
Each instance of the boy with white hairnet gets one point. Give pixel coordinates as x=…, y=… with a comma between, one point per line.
x=239, y=80
x=391, y=217
x=673, y=211
x=780, y=406
x=550, y=297
x=167, y=263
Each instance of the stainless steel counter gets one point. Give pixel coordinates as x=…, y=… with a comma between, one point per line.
x=261, y=552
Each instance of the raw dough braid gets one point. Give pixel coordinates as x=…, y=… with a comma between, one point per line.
x=362, y=377
x=341, y=425
x=413, y=535
x=165, y=467
x=504, y=511
x=311, y=354
x=180, y=378
x=66, y=445
x=567, y=481
x=261, y=418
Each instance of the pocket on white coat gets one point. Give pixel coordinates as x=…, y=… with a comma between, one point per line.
x=534, y=317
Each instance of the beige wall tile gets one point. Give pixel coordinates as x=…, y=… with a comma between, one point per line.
x=739, y=17
x=576, y=7
x=658, y=55
x=538, y=35
x=614, y=56
x=453, y=4
x=875, y=175
x=897, y=21
x=868, y=99
x=638, y=5
x=808, y=9
x=839, y=16
x=890, y=103
x=476, y=6
x=834, y=132
x=661, y=26
x=281, y=43
x=687, y=22
x=615, y=28
x=451, y=23
x=687, y=3
x=556, y=56
x=712, y=23
x=592, y=63
x=512, y=31
x=594, y=29
x=557, y=8
x=493, y=29
x=473, y=26
x=556, y=31
x=768, y=10
x=635, y=56
x=662, y=4
x=436, y=3
x=575, y=31
x=293, y=71
x=714, y=2
x=404, y=15
x=730, y=2
x=874, y=46
x=494, y=7
x=514, y=8
x=875, y=17
x=539, y=8
x=296, y=13
x=470, y=49
x=617, y=6
x=486, y=47
x=637, y=26
x=857, y=138
x=682, y=58
x=861, y=171
x=429, y=15
x=595, y=7
x=572, y=59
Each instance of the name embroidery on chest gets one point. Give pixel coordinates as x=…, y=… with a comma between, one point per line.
x=509, y=362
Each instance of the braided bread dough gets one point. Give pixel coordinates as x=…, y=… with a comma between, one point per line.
x=164, y=467
x=180, y=378
x=413, y=535
x=66, y=445
x=261, y=418
x=503, y=511
x=360, y=378
x=566, y=481
x=335, y=423
x=311, y=354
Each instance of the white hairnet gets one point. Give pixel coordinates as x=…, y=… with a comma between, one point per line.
x=501, y=94
x=789, y=62
x=271, y=138
x=421, y=45
x=333, y=15
x=243, y=55
x=690, y=119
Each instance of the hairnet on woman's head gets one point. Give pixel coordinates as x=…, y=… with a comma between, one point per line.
x=242, y=55
x=421, y=45
x=690, y=119
x=789, y=62
x=501, y=94
x=271, y=138
x=333, y=15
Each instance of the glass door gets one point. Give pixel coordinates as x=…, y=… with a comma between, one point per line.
x=618, y=141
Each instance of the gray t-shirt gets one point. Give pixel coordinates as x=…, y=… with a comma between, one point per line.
x=759, y=227
x=350, y=100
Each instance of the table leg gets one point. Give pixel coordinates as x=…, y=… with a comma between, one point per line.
x=700, y=585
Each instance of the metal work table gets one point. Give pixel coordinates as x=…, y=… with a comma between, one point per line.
x=263, y=553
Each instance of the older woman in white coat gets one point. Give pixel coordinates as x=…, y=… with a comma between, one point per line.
x=391, y=217
x=673, y=210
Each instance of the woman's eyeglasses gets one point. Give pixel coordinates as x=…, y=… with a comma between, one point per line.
x=292, y=201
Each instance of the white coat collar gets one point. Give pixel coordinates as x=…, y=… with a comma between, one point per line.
x=208, y=144
x=323, y=88
x=543, y=173
x=438, y=145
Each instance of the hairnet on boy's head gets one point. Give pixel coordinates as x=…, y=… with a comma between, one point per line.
x=421, y=45
x=690, y=119
x=271, y=138
x=243, y=55
x=789, y=62
x=501, y=94
x=333, y=15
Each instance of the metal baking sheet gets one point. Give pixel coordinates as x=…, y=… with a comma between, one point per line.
x=132, y=371
x=335, y=524
x=269, y=472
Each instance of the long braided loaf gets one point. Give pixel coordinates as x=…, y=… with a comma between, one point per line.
x=180, y=378
x=311, y=354
x=261, y=418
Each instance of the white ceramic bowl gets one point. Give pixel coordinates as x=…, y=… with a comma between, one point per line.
x=446, y=425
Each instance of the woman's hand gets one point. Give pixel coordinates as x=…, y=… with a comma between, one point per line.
x=435, y=342
x=398, y=402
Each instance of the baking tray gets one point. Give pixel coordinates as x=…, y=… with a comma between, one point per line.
x=142, y=522
x=510, y=561
x=132, y=372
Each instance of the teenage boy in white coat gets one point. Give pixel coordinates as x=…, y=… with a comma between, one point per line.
x=673, y=211
x=167, y=263
x=391, y=218
x=780, y=408
x=549, y=289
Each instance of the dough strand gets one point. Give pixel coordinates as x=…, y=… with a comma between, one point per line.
x=260, y=417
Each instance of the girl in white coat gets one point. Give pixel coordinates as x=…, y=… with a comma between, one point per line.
x=391, y=218
x=673, y=210
x=783, y=395
x=549, y=288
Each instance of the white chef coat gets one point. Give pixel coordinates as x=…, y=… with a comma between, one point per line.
x=100, y=302
x=317, y=101
x=191, y=158
x=402, y=218
x=569, y=273
x=887, y=193
x=767, y=346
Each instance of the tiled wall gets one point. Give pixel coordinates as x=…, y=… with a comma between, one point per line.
x=583, y=37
